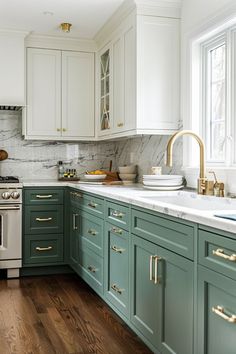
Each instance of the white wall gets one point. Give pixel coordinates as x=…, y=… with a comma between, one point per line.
x=195, y=12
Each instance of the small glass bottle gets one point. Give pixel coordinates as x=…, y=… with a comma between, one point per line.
x=60, y=170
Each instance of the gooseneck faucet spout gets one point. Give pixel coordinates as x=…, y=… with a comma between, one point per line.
x=174, y=137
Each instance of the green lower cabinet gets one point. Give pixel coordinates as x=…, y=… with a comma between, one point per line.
x=162, y=297
x=216, y=313
x=117, y=267
x=74, y=237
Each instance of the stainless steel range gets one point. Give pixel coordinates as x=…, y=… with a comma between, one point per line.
x=10, y=225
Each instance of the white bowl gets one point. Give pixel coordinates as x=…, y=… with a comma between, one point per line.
x=95, y=177
x=127, y=176
x=127, y=169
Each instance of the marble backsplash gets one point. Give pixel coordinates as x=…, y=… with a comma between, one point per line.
x=38, y=159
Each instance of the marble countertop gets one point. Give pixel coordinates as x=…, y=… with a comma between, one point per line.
x=138, y=196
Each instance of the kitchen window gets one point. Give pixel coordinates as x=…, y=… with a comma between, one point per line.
x=217, y=96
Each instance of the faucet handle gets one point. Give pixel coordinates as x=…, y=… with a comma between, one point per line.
x=219, y=187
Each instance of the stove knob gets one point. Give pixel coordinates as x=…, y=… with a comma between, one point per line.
x=15, y=195
x=6, y=195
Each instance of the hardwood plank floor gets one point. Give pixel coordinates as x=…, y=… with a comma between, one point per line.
x=60, y=314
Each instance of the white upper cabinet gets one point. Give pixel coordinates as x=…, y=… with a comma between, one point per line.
x=43, y=93
x=12, y=68
x=60, y=95
x=78, y=94
x=144, y=73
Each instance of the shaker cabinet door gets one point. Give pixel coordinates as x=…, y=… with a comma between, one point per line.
x=77, y=94
x=43, y=93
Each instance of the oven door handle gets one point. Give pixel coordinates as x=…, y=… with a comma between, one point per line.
x=9, y=207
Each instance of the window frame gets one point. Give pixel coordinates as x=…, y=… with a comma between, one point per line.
x=205, y=92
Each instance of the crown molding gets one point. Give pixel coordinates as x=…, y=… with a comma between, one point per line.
x=61, y=43
x=7, y=32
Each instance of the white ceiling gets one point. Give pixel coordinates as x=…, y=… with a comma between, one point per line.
x=86, y=16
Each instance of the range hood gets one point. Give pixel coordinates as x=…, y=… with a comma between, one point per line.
x=10, y=108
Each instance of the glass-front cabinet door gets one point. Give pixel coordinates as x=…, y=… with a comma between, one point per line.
x=105, y=90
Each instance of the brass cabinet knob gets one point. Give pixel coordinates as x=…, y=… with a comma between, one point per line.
x=120, y=125
x=64, y=129
x=58, y=129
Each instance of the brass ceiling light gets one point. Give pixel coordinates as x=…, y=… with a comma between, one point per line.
x=65, y=27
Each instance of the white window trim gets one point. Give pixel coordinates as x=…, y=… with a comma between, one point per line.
x=191, y=70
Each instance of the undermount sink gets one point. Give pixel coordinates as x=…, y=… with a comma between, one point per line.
x=192, y=201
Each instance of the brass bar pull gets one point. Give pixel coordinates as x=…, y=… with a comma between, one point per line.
x=116, y=230
x=92, y=204
x=156, y=260
x=42, y=249
x=116, y=289
x=150, y=267
x=44, y=196
x=219, y=310
x=117, y=250
x=78, y=195
x=117, y=214
x=92, y=269
x=43, y=219
x=92, y=232
x=220, y=253
x=74, y=226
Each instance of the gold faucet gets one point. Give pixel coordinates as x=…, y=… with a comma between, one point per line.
x=204, y=186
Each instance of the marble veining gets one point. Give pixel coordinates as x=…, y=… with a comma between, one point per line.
x=38, y=159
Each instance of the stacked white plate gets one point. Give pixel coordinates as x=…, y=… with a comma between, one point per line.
x=163, y=182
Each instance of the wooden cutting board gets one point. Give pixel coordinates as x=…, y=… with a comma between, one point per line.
x=3, y=155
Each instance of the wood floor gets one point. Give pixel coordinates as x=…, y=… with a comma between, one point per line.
x=60, y=314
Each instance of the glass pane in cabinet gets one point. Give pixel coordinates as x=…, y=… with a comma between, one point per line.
x=105, y=64
x=107, y=85
x=107, y=103
x=102, y=87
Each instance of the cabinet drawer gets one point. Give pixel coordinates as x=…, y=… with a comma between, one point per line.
x=216, y=313
x=167, y=233
x=91, y=233
x=117, y=214
x=43, y=219
x=43, y=249
x=93, y=205
x=44, y=196
x=91, y=269
x=117, y=282
x=217, y=253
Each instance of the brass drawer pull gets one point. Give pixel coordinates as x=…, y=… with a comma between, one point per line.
x=220, y=253
x=120, y=125
x=117, y=250
x=92, y=232
x=39, y=196
x=92, y=269
x=116, y=230
x=117, y=214
x=92, y=204
x=43, y=219
x=75, y=194
x=116, y=289
x=219, y=310
x=74, y=225
x=42, y=249
x=156, y=259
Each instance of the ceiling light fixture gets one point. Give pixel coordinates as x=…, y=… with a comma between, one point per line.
x=65, y=27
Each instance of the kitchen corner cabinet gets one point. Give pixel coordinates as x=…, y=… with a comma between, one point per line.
x=139, y=94
x=60, y=95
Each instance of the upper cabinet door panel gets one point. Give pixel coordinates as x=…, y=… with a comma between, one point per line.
x=118, y=91
x=158, y=72
x=78, y=94
x=12, y=67
x=43, y=92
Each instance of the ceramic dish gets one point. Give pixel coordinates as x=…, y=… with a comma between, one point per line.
x=94, y=177
x=127, y=176
x=127, y=169
x=163, y=183
x=172, y=188
x=161, y=177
